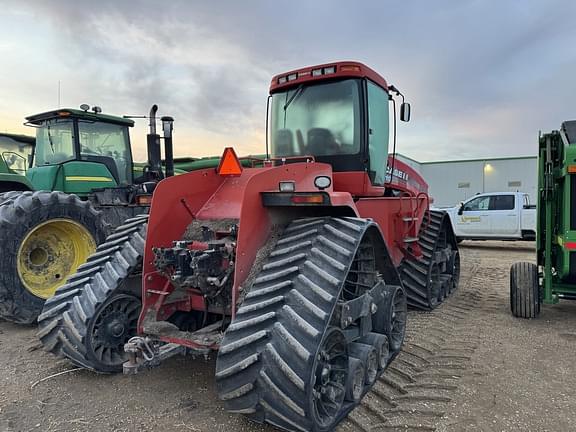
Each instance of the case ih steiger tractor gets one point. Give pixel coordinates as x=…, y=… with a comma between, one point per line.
x=554, y=276
x=79, y=185
x=298, y=272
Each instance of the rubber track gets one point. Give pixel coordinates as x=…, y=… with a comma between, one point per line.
x=14, y=206
x=421, y=385
x=63, y=324
x=415, y=274
x=267, y=354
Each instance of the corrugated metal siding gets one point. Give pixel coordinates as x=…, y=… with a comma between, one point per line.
x=454, y=181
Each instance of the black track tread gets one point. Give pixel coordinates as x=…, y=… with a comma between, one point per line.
x=415, y=273
x=64, y=322
x=15, y=206
x=524, y=290
x=426, y=378
x=267, y=353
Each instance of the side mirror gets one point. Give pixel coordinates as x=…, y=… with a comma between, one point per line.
x=405, y=112
x=461, y=209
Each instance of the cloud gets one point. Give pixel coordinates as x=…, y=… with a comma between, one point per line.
x=483, y=77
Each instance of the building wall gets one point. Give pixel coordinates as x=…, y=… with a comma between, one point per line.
x=454, y=181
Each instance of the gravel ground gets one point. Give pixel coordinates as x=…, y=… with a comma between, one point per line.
x=466, y=366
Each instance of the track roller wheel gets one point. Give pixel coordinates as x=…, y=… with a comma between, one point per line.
x=45, y=236
x=356, y=378
x=329, y=379
x=369, y=357
x=285, y=358
x=431, y=279
x=524, y=290
x=392, y=321
x=381, y=345
x=90, y=318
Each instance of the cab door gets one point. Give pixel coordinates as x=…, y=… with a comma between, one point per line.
x=475, y=218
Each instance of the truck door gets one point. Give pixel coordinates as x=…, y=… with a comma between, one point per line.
x=474, y=220
x=504, y=215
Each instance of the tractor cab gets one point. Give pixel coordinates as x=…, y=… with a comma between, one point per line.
x=339, y=114
x=78, y=150
x=15, y=153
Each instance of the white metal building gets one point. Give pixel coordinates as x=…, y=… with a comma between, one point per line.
x=454, y=181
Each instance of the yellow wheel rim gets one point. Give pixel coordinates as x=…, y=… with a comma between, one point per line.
x=50, y=253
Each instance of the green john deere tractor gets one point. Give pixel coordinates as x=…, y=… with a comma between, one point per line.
x=79, y=186
x=15, y=152
x=554, y=276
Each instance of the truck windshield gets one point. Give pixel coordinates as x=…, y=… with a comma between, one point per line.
x=15, y=154
x=108, y=144
x=318, y=120
x=54, y=142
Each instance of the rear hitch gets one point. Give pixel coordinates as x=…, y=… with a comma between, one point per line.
x=143, y=352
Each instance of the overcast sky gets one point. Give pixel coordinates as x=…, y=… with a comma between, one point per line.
x=482, y=76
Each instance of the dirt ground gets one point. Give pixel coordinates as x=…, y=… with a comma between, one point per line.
x=468, y=366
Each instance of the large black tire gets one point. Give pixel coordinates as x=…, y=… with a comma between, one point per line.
x=28, y=259
x=90, y=318
x=274, y=354
x=524, y=290
x=427, y=281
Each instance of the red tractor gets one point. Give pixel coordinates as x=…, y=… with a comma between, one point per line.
x=298, y=272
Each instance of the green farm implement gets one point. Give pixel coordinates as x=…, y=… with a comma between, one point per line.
x=554, y=276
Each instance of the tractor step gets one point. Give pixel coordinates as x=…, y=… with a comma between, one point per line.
x=410, y=239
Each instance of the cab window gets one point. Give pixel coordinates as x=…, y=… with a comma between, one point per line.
x=377, y=133
x=107, y=144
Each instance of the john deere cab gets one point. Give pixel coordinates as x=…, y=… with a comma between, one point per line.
x=15, y=153
x=80, y=187
x=78, y=151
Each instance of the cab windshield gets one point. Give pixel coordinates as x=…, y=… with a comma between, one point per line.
x=54, y=142
x=317, y=120
x=15, y=154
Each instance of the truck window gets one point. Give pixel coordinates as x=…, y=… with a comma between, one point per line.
x=502, y=202
x=480, y=203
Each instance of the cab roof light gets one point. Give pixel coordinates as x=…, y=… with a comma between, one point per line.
x=349, y=68
x=329, y=70
x=63, y=113
x=282, y=80
x=316, y=72
x=292, y=77
x=229, y=163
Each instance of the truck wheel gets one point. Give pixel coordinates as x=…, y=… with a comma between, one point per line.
x=90, y=318
x=524, y=290
x=46, y=237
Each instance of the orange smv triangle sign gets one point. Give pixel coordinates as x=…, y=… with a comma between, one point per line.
x=229, y=163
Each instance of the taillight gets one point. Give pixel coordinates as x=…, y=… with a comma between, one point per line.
x=144, y=199
x=307, y=199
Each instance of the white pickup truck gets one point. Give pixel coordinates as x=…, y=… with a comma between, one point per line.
x=494, y=216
